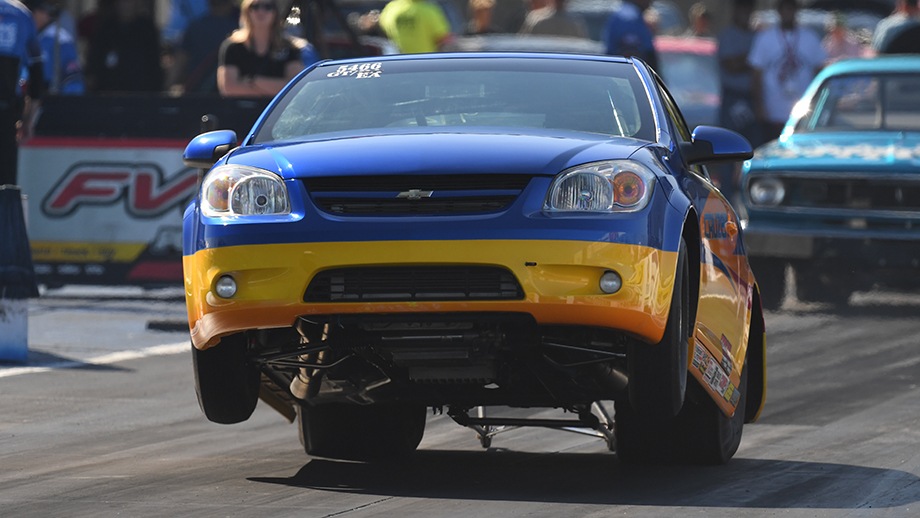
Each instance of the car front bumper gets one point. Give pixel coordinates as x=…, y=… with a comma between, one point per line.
x=853, y=248
x=559, y=278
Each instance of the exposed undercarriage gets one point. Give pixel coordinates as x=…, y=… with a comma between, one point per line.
x=454, y=360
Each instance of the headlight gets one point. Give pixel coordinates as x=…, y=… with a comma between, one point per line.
x=614, y=186
x=235, y=190
x=767, y=191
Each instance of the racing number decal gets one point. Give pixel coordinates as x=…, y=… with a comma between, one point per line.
x=362, y=71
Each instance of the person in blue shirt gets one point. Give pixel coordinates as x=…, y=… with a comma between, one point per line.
x=63, y=72
x=181, y=13
x=19, y=47
x=627, y=34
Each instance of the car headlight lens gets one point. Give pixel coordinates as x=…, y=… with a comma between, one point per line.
x=767, y=191
x=613, y=186
x=234, y=190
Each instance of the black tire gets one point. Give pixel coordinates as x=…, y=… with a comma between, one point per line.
x=771, y=278
x=379, y=431
x=658, y=373
x=700, y=434
x=227, y=384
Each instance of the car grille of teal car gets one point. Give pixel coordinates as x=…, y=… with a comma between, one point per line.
x=415, y=195
x=851, y=193
x=413, y=283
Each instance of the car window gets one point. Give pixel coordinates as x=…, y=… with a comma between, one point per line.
x=606, y=100
x=674, y=115
x=865, y=102
x=678, y=123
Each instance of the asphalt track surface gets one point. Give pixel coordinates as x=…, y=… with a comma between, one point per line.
x=103, y=421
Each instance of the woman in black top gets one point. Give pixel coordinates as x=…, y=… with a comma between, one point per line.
x=258, y=59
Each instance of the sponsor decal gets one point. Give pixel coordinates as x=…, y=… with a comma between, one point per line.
x=714, y=375
x=84, y=252
x=142, y=187
x=714, y=225
x=699, y=356
x=726, y=354
x=735, y=397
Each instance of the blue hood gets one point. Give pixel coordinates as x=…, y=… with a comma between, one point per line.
x=429, y=153
x=889, y=151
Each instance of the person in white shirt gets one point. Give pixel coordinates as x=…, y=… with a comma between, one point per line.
x=784, y=58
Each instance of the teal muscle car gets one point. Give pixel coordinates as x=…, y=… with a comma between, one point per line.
x=837, y=196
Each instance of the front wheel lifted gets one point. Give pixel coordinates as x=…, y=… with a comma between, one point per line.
x=226, y=382
x=658, y=372
x=700, y=434
x=378, y=431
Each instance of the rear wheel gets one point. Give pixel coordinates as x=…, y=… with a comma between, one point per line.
x=658, y=373
x=700, y=434
x=226, y=382
x=361, y=432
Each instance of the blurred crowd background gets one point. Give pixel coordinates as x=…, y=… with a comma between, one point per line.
x=707, y=51
x=174, y=46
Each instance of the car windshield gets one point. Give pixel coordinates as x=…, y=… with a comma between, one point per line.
x=865, y=102
x=600, y=97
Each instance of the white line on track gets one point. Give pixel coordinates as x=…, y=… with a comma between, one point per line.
x=105, y=359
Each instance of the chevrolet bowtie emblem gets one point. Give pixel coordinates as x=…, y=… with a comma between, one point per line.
x=415, y=194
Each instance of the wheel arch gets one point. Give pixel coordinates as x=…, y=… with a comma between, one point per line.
x=691, y=235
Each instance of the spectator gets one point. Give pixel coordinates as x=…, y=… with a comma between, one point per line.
x=784, y=59
x=63, y=72
x=194, y=67
x=700, y=21
x=415, y=26
x=124, y=53
x=653, y=19
x=259, y=58
x=508, y=15
x=736, y=111
x=840, y=42
x=905, y=16
x=181, y=14
x=480, y=17
x=19, y=47
x=627, y=33
x=553, y=20
x=308, y=53
x=89, y=22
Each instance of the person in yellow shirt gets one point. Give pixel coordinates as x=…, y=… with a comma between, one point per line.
x=415, y=26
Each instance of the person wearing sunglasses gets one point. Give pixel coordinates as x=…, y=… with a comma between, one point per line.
x=258, y=59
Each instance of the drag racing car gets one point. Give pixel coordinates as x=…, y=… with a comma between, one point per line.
x=836, y=199
x=474, y=230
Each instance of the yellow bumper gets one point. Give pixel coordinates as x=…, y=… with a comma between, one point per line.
x=559, y=278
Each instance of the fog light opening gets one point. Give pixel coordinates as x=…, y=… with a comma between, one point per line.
x=225, y=287
x=611, y=282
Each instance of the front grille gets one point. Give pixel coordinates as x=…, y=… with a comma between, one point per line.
x=415, y=195
x=852, y=193
x=384, y=207
x=413, y=283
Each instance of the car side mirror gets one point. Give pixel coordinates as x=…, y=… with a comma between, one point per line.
x=206, y=149
x=712, y=144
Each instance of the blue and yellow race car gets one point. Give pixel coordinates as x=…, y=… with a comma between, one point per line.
x=470, y=230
